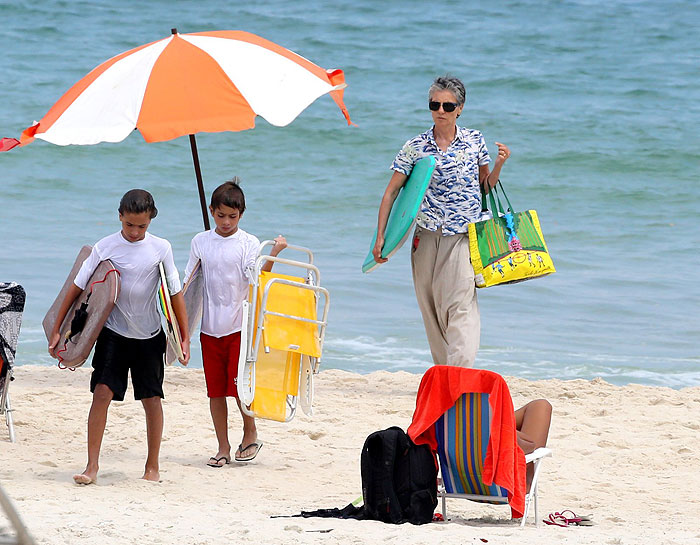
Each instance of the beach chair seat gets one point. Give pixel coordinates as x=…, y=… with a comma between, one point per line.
x=467, y=417
x=12, y=298
x=282, y=338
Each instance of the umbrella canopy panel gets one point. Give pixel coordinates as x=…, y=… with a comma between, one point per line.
x=185, y=84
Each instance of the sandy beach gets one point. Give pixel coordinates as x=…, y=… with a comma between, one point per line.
x=627, y=455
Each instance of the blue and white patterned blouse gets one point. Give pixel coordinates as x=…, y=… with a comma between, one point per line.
x=453, y=197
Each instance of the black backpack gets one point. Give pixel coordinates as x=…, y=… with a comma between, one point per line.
x=399, y=478
x=399, y=482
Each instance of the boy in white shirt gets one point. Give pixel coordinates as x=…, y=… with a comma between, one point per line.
x=132, y=338
x=227, y=256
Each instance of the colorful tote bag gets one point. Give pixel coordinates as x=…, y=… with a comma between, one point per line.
x=509, y=247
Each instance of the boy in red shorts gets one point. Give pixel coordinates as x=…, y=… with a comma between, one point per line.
x=227, y=256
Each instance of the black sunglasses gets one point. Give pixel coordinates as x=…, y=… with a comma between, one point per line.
x=434, y=105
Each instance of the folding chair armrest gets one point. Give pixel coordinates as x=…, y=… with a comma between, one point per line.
x=309, y=254
x=309, y=267
x=538, y=454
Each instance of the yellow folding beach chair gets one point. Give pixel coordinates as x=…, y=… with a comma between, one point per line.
x=281, y=338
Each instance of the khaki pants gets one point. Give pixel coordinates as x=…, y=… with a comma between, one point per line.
x=444, y=281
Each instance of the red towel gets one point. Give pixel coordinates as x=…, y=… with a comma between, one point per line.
x=440, y=388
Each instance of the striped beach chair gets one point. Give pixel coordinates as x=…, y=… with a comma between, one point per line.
x=12, y=298
x=462, y=435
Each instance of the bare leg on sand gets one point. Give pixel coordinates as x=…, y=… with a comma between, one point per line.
x=97, y=420
x=219, y=416
x=154, y=434
x=249, y=447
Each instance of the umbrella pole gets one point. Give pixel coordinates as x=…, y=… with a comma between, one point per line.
x=200, y=185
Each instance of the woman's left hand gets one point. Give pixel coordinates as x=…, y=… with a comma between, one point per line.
x=503, y=153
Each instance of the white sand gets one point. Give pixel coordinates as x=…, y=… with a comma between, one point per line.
x=628, y=455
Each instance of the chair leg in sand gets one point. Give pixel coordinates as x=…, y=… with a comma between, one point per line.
x=7, y=406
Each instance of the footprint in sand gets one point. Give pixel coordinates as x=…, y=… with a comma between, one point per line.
x=608, y=444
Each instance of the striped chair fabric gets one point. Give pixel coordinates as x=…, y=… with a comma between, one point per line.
x=463, y=435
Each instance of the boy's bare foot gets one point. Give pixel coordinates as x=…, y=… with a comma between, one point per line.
x=84, y=478
x=152, y=475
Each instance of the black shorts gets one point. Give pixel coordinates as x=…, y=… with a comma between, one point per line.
x=115, y=355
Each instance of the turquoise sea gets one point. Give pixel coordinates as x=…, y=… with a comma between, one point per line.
x=598, y=101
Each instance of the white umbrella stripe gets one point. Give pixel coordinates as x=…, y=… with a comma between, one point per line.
x=107, y=110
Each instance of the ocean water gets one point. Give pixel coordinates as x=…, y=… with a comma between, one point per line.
x=598, y=101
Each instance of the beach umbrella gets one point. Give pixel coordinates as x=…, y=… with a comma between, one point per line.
x=185, y=84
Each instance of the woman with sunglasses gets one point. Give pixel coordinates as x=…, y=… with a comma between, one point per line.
x=442, y=273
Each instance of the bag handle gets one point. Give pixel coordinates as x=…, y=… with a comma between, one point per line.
x=505, y=195
x=494, y=198
x=486, y=199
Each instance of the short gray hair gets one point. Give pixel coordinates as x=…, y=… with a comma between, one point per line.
x=451, y=84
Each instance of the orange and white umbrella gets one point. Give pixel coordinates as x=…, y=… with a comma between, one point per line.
x=185, y=84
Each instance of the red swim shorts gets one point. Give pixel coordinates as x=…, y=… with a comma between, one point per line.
x=220, y=359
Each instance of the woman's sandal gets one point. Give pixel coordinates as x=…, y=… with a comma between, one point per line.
x=568, y=518
x=555, y=519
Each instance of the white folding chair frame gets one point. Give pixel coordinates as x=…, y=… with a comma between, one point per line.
x=309, y=365
x=536, y=457
x=6, y=406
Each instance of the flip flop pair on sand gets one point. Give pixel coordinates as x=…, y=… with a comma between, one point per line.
x=568, y=518
x=224, y=460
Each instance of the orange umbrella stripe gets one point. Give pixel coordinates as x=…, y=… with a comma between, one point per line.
x=197, y=97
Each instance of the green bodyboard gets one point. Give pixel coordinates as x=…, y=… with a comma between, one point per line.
x=403, y=212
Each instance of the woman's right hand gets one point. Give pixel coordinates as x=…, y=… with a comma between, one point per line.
x=390, y=193
x=377, y=250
